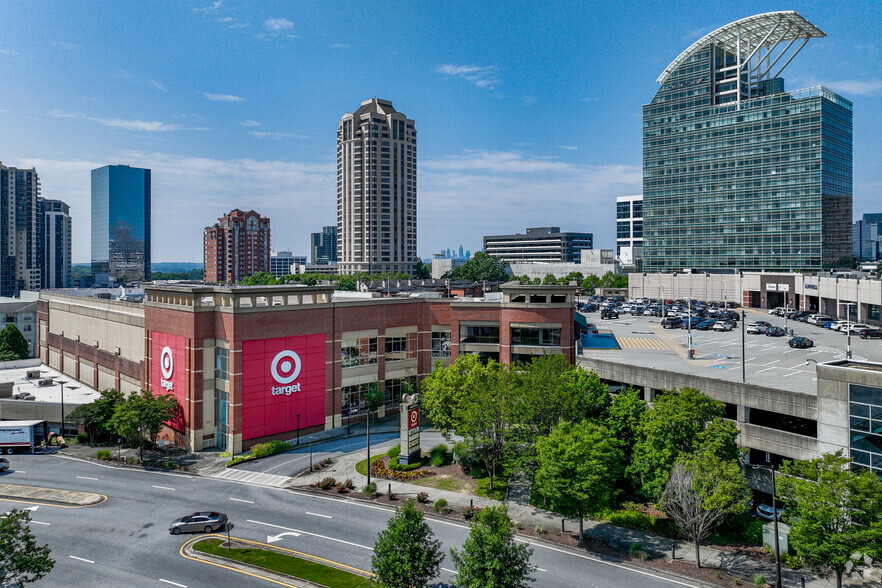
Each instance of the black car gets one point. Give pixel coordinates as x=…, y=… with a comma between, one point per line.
x=775, y=332
x=671, y=322
x=609, y=313
x=801, y=343
x=705, y=325
x=870, y=333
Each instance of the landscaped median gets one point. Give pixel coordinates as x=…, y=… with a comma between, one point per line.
x=254, y=558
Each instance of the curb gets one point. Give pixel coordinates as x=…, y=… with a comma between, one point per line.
x=50, y=496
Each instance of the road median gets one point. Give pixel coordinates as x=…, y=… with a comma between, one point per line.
x=50, y=496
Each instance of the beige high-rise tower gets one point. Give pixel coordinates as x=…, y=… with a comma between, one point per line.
x=376, y=190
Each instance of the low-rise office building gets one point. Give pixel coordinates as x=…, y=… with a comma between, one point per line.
x=546, y=244
x=249, y=364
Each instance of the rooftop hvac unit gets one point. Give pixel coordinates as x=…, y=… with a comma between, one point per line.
x=45, y=382
x=32, y=374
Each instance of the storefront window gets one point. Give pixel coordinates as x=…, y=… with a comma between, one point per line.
x=479, y=334
x=395, y=389
x=440, y=344
x=359, y=351
x=403, y=347
x=222, y=363
x=531, y=336
x=355, y=400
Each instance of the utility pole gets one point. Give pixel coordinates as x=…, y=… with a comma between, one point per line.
x=743, y=349
x=775, y=526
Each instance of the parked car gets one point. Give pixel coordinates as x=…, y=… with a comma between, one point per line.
x=854, y=328
x=775, y=332
x=801, y=343
x=199, y=521
x=870, y=333
x=706, y=325
x=765, y=511
x=819, y=319
x=4, y=464
x=671, y=322
x=755, y=329
x=723, y=326
x=609, y=313
x=835, y=325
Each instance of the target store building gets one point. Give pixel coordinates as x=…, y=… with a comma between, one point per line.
x=251, y=364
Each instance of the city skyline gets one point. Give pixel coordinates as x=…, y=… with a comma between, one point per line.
x=527, y=117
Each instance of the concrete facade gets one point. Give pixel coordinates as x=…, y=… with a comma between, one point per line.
x=596, y=262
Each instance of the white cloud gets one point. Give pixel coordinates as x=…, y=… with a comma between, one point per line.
x=855, y=87
x=483, y=76
x=9, y=52
x=156, y=85
x=568, y=147
x=529, y=100
x=222, y=97
x=250, y=123
x=129, y=125
x=276, y=135
x=278, y=25
x=210, y=9
x=340, y=46
x=233, y=23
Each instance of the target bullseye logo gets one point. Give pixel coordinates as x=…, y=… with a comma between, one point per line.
x=285, y=368
x=167, y=365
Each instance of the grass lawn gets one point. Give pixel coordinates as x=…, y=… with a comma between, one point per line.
x=500, y=487
x=285, y=564
x=443, y=482
x=361, y=467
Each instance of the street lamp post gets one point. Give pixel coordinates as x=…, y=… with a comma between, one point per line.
x=369, y=445
x=743, y=350
x=298, y=429
x=62, y=382
x=847, y=306
x=310, y=453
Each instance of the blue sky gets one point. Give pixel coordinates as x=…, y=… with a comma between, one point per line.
x=528, y=113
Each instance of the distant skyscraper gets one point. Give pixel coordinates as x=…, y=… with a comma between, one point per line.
x=237, y=246
x=54, y=243
x=867, y=238
x=461, y=255
x=376, y=190
x=120, y=224
x=737, y=173
x=280, y=262
x=19, y=261
x=629, y=229
x=324, y=246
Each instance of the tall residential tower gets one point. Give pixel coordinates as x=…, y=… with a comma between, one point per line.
x=376, y=190
x=737, y=173
x=237, y=246
x=120, y=224
x=19, y=259
x=54, y=243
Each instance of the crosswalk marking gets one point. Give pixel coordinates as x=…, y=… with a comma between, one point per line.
x=253, y=477
x=650, y=343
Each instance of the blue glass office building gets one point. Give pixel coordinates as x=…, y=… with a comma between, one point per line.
x=120, y=224
x=739, y=174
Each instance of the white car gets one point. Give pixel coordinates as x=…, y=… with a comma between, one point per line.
x=722, y=326
x=755, y=329
x=855, y=328
x=838, y=325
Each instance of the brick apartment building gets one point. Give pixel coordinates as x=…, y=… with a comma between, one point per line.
x=250, y=364
x=237, y=246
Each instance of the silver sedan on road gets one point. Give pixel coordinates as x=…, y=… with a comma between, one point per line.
x=199, y=521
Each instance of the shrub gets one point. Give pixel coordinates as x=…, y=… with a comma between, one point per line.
x=395, y=466
x=341, y=487
x=422, y=498
x=753, y=532
x=392, y=496
x=348, y=484
x=170, y=465
x=439, y=455
x=470, y=512
x=759, y=580
x=102, y=454
x=327, y=483
x=793, y=562
x=380, y=470
x=394, y=451
x=644, y=556
x=440, y=504
x=370, y=490
x=270, y=448
x=540, y=530
x=82, y=438
x=635, y=547
x=437, y=461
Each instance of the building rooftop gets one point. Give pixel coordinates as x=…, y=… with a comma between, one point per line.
x=74, y=392
x=770, y=362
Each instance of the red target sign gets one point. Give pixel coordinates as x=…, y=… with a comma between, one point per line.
x=413, y=418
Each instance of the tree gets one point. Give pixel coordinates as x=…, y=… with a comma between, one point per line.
x=13, y=341
x=481, y=268
x=549, y=280
x=140, y=416
x=406, y=554
x=624, y=417
x=590, y=283
x=423, y=270
x=702, y=490
x=22, y=561
x=259, y=279
x=579, y=466
x=834, y=513
x=679, y=423
x=490, y=557
x=571, y=277
x=95, y=416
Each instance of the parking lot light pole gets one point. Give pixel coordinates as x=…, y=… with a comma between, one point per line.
x=775, y=527
x=743, y=349
x=847, y=305
x=310, y=453
x=298, y=430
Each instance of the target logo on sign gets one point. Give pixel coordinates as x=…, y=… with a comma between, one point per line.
x=413, y=418
x=285, y=368
x=167, y=366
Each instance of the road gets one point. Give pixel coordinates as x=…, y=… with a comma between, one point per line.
x=125, y=541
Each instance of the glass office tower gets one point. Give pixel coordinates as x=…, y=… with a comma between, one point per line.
x=120, y=224
x=737, y=173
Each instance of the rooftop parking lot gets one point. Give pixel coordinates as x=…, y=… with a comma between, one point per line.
x=769, y=361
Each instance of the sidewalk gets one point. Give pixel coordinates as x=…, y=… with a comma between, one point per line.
x=621, y=538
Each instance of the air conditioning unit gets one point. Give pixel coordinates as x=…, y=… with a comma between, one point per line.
x=45, y=382
x=32, y=374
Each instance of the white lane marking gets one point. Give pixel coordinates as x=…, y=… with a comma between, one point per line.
x=771, y=362
x=119, y=469
x=449, y=570
x=40, y=523
x=86, y=478
x=172, y=583
x=311, y=534
x=767, y=369
x=792, y=374
x=81, y=559
x=799, y=365
x=315, y=514
x=163, y=488
x=18, y=472
x=240, y=500
x=541, y=570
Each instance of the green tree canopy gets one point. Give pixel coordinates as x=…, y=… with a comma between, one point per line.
x=22, y=561
x=481, y=268
x=679, y=423
x=96, y=416
x=406, y=554
x=423, y=270
x=624, y=417
x=490, y=557
x=579, y=466
x=701, y=491
x=834, y=513
x=140, y=417
x=12, y=341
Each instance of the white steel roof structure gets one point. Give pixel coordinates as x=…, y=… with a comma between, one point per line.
x=754, y=40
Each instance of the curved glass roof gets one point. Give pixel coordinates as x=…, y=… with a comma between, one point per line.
x=762, y=30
